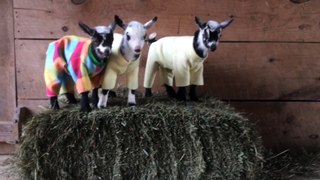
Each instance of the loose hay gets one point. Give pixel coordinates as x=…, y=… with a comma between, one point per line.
x=158, y=139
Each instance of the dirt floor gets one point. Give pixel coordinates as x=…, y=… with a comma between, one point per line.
x=6, y=170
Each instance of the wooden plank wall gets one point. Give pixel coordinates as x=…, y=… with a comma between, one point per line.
x=267, y=65
x=8, y=124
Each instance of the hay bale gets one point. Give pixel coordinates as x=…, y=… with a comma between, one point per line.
x=159, y=139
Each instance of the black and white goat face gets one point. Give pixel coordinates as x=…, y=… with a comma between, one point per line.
x=211, y=32
x=102, y=38
x=135, y=34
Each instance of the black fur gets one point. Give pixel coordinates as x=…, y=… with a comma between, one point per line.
x=54, y=103
x=170, y=91
x=182, y=94
x=84, y=102
x=71, y=98
x=148, y=92
x=196, y=47
x=193, y=93
x=95, y=97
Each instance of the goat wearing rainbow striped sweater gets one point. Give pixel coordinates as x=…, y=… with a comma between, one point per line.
x=78, y=61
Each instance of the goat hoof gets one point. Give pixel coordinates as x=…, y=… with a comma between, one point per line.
x=131, y=104
x=71, y=99
x=95, y=105
x=195, y=99
x=148, y=92
x=170, y=91
x=85, y=109
x=112, y=94
x=55, y=107
x=181, y=98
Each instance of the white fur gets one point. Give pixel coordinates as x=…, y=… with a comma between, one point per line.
x=136, y=32
x=201, y=44
x=103, y=29
x=103, y=99
x=131, y=98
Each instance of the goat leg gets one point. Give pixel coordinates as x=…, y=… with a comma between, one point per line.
x=148, y=92
x=193, y=93
x=71, y=98
x=103, y=98
x=132, y=98
x=84, y=102
x=95, y=97
x=181, y=95
x=112, y=94
x=54, y=104
x=170, y=91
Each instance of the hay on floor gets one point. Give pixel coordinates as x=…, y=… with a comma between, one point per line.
x=158, y=139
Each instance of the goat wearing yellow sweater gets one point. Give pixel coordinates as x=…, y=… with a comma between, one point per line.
x=181, y=57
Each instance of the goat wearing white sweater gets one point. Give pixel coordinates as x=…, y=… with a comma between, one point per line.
x=182, y=57
x=125, y=59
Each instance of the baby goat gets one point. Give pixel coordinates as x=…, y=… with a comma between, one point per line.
x=181, y=57
x=125, y=59
x=77, y=61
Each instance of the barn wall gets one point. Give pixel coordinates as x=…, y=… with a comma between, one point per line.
x=266, y=66
x=8, y=123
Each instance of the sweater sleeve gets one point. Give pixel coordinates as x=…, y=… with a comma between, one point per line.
x=151, y=68
x=109, y=77
x=196, y=77
x=181, y=70
x=132, y=79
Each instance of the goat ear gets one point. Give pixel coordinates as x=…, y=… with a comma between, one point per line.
x=226, y=23
x=86, y=28
x=113, y=25
x=119, y=22
x=148, y=24
x=199, y=23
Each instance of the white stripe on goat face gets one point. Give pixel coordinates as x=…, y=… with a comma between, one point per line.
x=104, y=47
x=135, y=35
x=212, y=35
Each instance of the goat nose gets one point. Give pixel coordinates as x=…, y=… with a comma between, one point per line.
x=213, y=48
x=137, y=50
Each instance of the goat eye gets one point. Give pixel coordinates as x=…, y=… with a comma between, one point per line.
x=128, y=37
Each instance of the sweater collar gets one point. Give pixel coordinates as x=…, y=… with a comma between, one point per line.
x=94, y=59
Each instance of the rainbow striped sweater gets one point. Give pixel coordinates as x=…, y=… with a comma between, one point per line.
x=69, y=63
